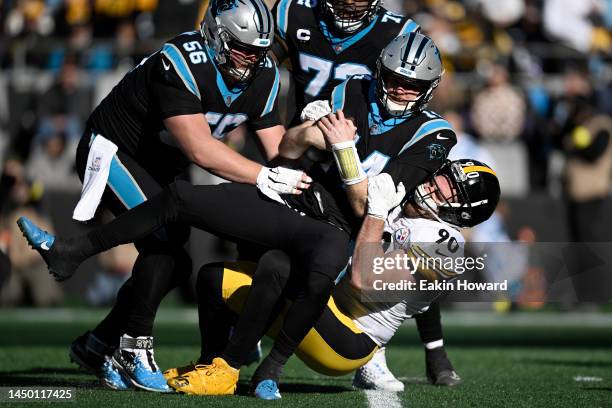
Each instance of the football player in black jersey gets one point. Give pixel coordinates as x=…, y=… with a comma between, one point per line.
x=328, y=41
x=385, y=113
x=317, y=253
x=198, y=87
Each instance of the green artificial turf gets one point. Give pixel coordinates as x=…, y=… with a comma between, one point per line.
x=518, y=365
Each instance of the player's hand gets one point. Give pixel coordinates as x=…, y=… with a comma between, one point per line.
x=336, y=128
x=273, y=182
x=315, y=111
x=383, y=196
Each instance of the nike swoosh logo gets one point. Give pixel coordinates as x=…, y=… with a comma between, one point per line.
x=44, y=245
x=440, y=137
x=166, y=67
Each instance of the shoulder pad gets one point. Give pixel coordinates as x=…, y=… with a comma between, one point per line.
x=430, y=124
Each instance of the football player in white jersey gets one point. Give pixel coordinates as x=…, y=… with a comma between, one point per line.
x=355, y=326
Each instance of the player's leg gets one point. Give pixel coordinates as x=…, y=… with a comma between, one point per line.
x=235, y=211
x=222, y=291
x=319, y=250
x=376, y=375
x=262, y=305
x=324, y=257
x=335, y=346
x=161, y=265
x=439, y=369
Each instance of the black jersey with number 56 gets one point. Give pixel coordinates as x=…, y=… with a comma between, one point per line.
x=319, y=59
x=180, y=79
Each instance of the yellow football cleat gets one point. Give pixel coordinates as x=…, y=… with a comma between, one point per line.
x=217, y=378
x=178, y=371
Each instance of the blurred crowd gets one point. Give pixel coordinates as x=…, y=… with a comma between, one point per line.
x=528, y=87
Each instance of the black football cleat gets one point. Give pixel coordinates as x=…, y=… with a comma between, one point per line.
x=440, y=371
x=54, y=251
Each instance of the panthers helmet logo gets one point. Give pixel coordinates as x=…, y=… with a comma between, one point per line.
x=219, y=6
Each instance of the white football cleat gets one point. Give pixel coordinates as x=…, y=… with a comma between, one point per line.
x=375, y=375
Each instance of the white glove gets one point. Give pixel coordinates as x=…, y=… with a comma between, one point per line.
x=315, y=111
x=280, y=180
x=383, y=196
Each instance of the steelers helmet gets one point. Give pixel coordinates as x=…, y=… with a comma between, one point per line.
x=474, y=198
x=239, y=33
x=348, y=17
x=412, y=61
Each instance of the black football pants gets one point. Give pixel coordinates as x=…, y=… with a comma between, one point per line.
x=240, y=213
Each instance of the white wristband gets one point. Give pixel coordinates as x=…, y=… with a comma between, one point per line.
x=348, y=162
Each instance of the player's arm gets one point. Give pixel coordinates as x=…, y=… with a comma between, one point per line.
x=367, y=248
x=270, y=139
x=300, y=138
x=382, y=195
x=195, y=139
x=340, y=132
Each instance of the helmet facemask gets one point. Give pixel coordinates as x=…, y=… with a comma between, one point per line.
x=449, y=209
x=238, y=61
x=241, y=62
x=385, y=79
x=348, y=17
x=238, y=34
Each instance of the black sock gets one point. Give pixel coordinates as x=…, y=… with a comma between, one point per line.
x=283, y=348
x=269, y=369
x=429, y=324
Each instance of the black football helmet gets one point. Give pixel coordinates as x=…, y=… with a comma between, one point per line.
x=476, y=193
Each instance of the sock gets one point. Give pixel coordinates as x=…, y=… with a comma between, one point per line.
x=269, y=369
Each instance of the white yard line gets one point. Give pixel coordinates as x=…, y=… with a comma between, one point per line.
x=382, y=399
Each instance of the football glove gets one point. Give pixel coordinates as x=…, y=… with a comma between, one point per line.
x=315, y=111
x=383, y=196
x=273, y=182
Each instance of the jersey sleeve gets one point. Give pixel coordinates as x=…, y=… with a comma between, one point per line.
x=173, y=95
x=266, y=115
x=421, y=156
x=349, y=97
x=280, y=11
